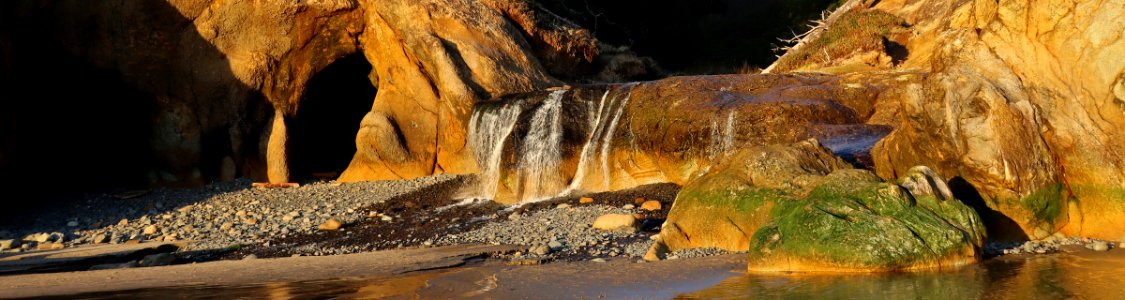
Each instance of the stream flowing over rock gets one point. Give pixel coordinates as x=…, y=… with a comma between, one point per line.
x=608, y=137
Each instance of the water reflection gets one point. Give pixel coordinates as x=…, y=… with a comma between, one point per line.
x=1061, y=276
x=1076, y=275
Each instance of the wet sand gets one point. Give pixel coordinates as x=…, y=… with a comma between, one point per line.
x=456, y=271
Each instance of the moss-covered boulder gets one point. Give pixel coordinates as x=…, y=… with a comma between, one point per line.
x=724, y=207
x=799, y=208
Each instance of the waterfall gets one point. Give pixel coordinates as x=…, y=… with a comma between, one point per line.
x=607, y=139
x=588, y=148
x=489, y=128
x=539, y=143
x=540, y=154
x=603, y=123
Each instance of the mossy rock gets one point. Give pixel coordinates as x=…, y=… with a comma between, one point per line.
x=724, y=207
x=853, y=221
x=799, y=208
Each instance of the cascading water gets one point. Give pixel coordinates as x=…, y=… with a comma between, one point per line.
x=489, y=128
x=603, y=123
x=540, y=154
x=589, y=147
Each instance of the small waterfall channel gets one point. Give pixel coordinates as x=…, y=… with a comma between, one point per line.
x=519, y=143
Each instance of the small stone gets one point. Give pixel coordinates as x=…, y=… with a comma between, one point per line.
x=72, y=224
x=42, y=237
x=540, y=250
x=615, y=222
x=159, y=259
x=100, y=239
x=555, y=245
x=331, y=224
x=639, y=200
x=250, y=221
x=628, y=206
x=1098, y=246
x=8, y=244
x=386, y=218
x=585, y=200
x=226, y=226
x=651, y=205
x=149, y=230
x=564, y=205
x=241, y=213
x=123, y=222
x=598, y=260
x=249, y=257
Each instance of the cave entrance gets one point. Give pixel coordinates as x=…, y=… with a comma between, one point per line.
x=322, y=133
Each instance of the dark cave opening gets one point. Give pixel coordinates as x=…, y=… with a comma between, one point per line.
x=322, y=133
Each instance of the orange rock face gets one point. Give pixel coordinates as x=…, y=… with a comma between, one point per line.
x=671, y=130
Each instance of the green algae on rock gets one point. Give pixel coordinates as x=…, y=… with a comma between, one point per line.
x=854, y=221
x=800, y=208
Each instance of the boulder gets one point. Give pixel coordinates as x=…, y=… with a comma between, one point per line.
x=1022, y=118
x=799, y=208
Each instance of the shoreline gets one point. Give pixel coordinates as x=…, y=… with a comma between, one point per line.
x=232, y=223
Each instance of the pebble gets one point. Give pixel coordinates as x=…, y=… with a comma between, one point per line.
x=1098, y=246
x=386, y=218
x=615, y=222
x=598, y=260
x=540, y=250
x=585, y=200
x=249, y=257
x=331, y=224
x=563, y=205
x=628, y=206
x=72, y=224
x=149, y=230
x=651, y=205
x=555, y=245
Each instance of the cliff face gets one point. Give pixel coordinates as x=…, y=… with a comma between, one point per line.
x=197, y=83
x=1019, y=106
x=196, y=71
x=1023, y=102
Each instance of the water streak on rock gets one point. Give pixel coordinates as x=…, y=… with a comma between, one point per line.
x=540, y=155
x=489, y=128
x=588, y=148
